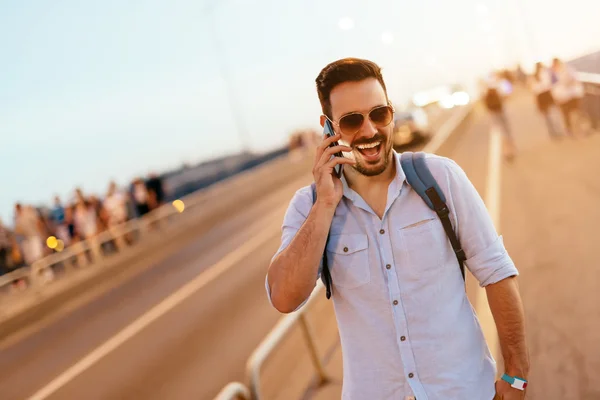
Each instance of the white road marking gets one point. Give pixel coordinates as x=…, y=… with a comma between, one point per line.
x=448, y=128
x=492, y=192
x=266, y=229
x=492, y=202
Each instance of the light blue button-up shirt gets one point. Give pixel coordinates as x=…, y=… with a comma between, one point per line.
x=405, y=323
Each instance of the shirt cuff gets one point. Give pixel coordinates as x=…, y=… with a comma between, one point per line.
x=492, y=264
x=268, y=290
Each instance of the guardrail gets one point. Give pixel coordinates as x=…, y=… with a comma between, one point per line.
x=234, y=391
x=591, y=99
x=218, y=195
x=274, y=338
x=288, y=322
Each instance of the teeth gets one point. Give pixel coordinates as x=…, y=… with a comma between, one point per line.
x=368, y=146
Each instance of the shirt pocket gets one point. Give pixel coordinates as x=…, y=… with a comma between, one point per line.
x=424, y=243
x=348, y=260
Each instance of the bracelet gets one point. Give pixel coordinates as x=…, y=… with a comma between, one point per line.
x=515, y=381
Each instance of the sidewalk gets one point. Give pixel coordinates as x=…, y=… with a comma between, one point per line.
x=549, y=220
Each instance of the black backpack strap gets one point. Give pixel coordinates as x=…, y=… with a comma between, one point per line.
x=420, y=179
x=325, y=273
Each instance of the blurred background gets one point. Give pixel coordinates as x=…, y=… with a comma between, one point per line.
x=152, y=146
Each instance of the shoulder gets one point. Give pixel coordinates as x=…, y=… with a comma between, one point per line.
x=446, y=172
x=304, y=194
x=442, y=168
x=301, y=202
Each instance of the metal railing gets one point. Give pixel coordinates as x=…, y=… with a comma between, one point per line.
x=285, y=325
x=197, y=206
x=234, y=391
x=591, y=99
x=275, y=337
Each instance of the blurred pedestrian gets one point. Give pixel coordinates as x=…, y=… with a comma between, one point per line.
x=115, y=204
x=541, y=85
x=140, y=197
x=493, y=95
x=59, y=223
x=86, y=219
x=5, y=247
x=568, y=92
x=29, y=226
x=156, y=193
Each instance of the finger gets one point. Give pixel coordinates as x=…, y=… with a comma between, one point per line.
x=328, y=167
x=326, y=142
x=337, y=161
x=330, y=151
x=338, y=148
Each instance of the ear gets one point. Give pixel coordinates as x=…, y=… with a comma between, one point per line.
x=322, y=121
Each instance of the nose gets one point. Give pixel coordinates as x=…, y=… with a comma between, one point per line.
x=367, y=130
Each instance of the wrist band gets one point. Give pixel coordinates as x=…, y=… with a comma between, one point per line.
x=515, y=381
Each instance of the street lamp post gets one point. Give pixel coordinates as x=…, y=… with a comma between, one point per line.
x=223, y=66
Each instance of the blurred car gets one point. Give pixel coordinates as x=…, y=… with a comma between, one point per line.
x=411, y=127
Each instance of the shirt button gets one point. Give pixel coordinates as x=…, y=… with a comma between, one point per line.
x=402, y=338
x=395, y=302
x=411, y=375
x=382, y=231
x=345, y=249
x=388, y=266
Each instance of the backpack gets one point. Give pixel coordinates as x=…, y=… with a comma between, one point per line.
x=493, y=101
x=421, y=181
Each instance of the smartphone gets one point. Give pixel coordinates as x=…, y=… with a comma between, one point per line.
x=328, y=131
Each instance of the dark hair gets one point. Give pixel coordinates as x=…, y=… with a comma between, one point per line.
x=344, y=70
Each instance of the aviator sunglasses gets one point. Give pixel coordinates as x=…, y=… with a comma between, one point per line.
x=351, y=123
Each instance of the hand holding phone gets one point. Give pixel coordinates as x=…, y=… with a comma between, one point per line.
x=327, y=177
x=329, y=132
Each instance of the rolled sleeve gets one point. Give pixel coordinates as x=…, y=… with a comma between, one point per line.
x=294, y=218
x=492, y=265
x=487, y=258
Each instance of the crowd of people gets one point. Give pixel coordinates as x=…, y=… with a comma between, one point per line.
x=555, y=87
x=81, y=218
x=557, y=92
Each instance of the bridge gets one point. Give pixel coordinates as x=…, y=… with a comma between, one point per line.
x=183, y=313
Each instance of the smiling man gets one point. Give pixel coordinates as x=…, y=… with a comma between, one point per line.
x=406, y=326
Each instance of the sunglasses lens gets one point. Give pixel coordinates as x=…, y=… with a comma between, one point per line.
x=381, y=116
x=351, y=123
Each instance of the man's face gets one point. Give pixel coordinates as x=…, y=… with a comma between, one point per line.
x=371, y=145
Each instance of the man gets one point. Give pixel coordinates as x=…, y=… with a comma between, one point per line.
x=406, y=326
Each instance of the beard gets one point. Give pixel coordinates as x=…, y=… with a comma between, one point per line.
x=373, y=167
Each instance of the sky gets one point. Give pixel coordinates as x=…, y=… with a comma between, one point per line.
x=92, y=91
